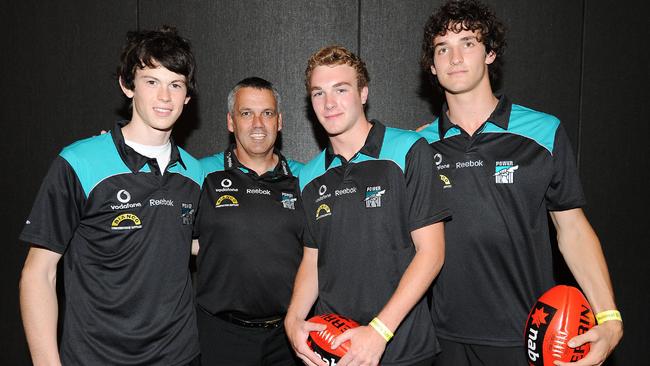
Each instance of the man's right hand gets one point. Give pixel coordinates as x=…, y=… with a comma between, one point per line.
x=297, y=331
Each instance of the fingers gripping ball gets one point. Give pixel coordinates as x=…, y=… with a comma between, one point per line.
x=321, y=342
x=560, y=314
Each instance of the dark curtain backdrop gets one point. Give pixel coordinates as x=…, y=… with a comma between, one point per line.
x=585, y=61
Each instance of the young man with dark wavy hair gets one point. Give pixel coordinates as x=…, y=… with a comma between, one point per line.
x=504, y=168
x=374, y=240
x=118, y=208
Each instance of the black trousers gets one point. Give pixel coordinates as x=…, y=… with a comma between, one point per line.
x=461, y=354
x=224, y=343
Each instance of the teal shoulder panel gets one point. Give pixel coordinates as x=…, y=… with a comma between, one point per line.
x=193, y=169
x=312, y=170
x=93, y=160
x=537, y=126
x=396, y=145
x=212, y=163
x=295, y=167
x=431, y=133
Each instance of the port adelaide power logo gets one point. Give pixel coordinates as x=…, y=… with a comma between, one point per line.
x=373, y=196
x=504, y=172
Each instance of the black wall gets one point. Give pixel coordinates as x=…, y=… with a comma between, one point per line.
x=584, y=61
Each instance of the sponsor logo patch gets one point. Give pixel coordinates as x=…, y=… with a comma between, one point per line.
x=437, y=158
x=226, y=186
x=469, y=164
x=124, y=197
x=321, y=192
x=323, y=211
x=126, y=221
x=445, y=181
x=226, y=201
x=161, y=202
x=341, y=192
x=258, y=191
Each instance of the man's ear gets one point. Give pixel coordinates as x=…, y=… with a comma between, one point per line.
x=230, y=123
x=187, y=100
x=364, y=95
x=128, y=92
x=279, y=121
x=490, y=57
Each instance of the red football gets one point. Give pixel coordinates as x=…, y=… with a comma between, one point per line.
x=559, y=315
x=321, y=342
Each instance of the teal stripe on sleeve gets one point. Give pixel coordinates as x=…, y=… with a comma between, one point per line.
x=397, y=143
x=431, y=133
x=295, y=167
x=312, y=170
x=212, y=163
x=537, y=126
x=93, y=160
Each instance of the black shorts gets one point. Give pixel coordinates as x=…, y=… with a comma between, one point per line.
x=225, y=343
x=462, y=354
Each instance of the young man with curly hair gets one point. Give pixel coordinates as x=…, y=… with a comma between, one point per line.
x=504, y=168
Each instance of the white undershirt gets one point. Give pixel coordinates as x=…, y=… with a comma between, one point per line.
x=161, y=153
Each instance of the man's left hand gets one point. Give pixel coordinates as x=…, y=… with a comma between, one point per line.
x=603, y=339
x=366, y=348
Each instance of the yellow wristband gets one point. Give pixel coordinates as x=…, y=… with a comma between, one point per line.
x=381, y=328
x=607, y=315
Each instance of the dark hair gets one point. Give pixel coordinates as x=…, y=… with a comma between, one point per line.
x=333, y=56
x=165, y=47
x=256, y=83
x=460, y=15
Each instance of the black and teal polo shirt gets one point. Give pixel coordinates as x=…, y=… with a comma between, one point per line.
x=360, y=215
x=250, y=229
x=499, y=183
x=125, y=234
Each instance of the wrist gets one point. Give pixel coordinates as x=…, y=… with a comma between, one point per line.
x=381, y=329
x=608, y=315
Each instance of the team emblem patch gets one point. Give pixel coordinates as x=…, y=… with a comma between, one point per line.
x=288, y=201
x=323, y=211
x=226, y=201
x=187, y=213
x=504, y=172
x=373, y=196
x=126, y=221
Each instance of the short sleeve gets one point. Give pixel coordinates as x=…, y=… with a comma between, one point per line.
x=57, y=210
x=424, y=192
x=564, y=191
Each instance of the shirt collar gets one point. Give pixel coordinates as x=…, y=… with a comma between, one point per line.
x=372, y=146
x=231, y=162
x=499, y=117
x=133, y=160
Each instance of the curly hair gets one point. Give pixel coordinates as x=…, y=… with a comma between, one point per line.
x=164, y=47
x=460, y=15
x=337, y=55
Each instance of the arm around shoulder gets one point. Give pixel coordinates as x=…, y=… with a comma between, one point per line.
x=38, y=305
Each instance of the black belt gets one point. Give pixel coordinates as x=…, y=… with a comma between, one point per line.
x=273, y=322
